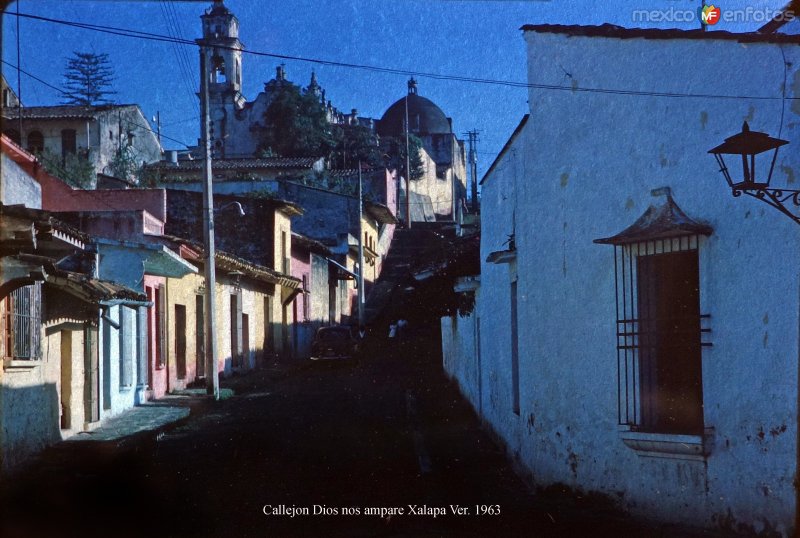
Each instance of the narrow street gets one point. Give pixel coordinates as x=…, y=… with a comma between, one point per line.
x=386, y=433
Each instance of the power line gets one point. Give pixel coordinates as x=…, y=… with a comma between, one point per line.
x=37, y=79
x=395, y=71
x=184, y=65
x=67, y=94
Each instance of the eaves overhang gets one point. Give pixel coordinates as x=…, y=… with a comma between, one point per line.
x=502, y=256
x=157, y=260
x=664, y=221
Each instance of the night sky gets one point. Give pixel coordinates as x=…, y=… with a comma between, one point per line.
x=471, y=38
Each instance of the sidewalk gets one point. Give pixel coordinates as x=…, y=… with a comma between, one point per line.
x=148, y=418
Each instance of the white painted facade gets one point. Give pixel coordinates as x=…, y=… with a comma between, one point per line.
x=582, y=169
x=117, y=341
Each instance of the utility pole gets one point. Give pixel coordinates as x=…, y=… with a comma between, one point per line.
x=360, y=251
x=19, y=83
x=473, y=167
x=212, y=367
x=408, y=164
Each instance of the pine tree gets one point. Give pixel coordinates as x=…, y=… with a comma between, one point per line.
x=87, y=79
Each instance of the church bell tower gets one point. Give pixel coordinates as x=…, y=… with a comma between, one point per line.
x=222, y=51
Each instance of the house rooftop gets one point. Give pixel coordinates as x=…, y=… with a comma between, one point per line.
x=93, y=289
x=239, y=164
x=312, y=245
x=229, y=262
x=619, y=32
x=506, y=146
x=44, y=223
x=60, y=112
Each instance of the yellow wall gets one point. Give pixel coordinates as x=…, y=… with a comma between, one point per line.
x=183, y=291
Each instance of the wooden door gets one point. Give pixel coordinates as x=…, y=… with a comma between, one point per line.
x=91, y=386
x=180, y=341
x=200, y=336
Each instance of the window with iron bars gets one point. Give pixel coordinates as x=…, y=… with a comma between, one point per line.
x=22, y=323
x=659, y=336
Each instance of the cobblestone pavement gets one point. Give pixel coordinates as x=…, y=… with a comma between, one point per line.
x=315, y=446
x=149, y=418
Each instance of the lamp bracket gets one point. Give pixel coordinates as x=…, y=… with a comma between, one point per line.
x=777, y=198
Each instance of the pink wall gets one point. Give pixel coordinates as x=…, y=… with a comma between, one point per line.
x=301, y=265
x=57, y=196
x=124, y=225
x=391, y=191
x=157, y=376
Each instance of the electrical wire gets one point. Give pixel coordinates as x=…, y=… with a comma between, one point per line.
x=67, y=94
x=395, y=71
x=184, y=65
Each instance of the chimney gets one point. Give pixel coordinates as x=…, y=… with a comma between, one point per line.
x=173, y=156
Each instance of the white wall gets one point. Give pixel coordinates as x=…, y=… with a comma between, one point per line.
x=460, y=356
x=583, y=169
x=115, y=398
x=17, y=186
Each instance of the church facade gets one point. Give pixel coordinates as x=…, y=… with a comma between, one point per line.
x=237, y=124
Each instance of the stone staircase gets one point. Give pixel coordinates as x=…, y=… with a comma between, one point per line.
x=406, y=246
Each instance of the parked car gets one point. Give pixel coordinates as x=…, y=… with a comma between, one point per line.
x=335, y=342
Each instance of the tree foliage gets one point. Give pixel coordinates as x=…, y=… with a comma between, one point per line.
x=395, y=149
x=296, y=125
x=356, y=143
x=75, y=170
x=88, y=79
x=126, y=165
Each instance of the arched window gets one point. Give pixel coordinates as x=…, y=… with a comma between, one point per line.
x=238, y=72
x=218, y=73
x=35, y=141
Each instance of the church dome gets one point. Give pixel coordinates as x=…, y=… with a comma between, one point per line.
x=424, y=116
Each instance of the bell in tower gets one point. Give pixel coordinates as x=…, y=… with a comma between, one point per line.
x=221, y=53
x=223, y=50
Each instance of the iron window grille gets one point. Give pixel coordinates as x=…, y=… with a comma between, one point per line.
x=23, y=323
x=659, y=334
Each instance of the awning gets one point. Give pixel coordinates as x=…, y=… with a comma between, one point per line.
x=662, y=222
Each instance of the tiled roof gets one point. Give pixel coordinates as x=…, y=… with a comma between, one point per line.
x=93, y=289
x=450, y=258
x=45, y=222
x=230, y=262
x=309, y=244
x=350, y=172
x=380, y=212
x=60, y=111
x=81, y=285
x=659, y=222
x=611, y=30
x=239, y=164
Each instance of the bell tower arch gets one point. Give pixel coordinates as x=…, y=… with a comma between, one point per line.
x=222, y=51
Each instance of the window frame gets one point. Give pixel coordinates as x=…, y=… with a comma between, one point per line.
x=38, y=136
x=640, y=339
x=11, y=320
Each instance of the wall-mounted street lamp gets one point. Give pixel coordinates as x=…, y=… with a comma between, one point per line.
x=237, y=205
x=756, y=176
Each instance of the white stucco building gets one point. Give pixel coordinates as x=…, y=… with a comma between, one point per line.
x=636, y=325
